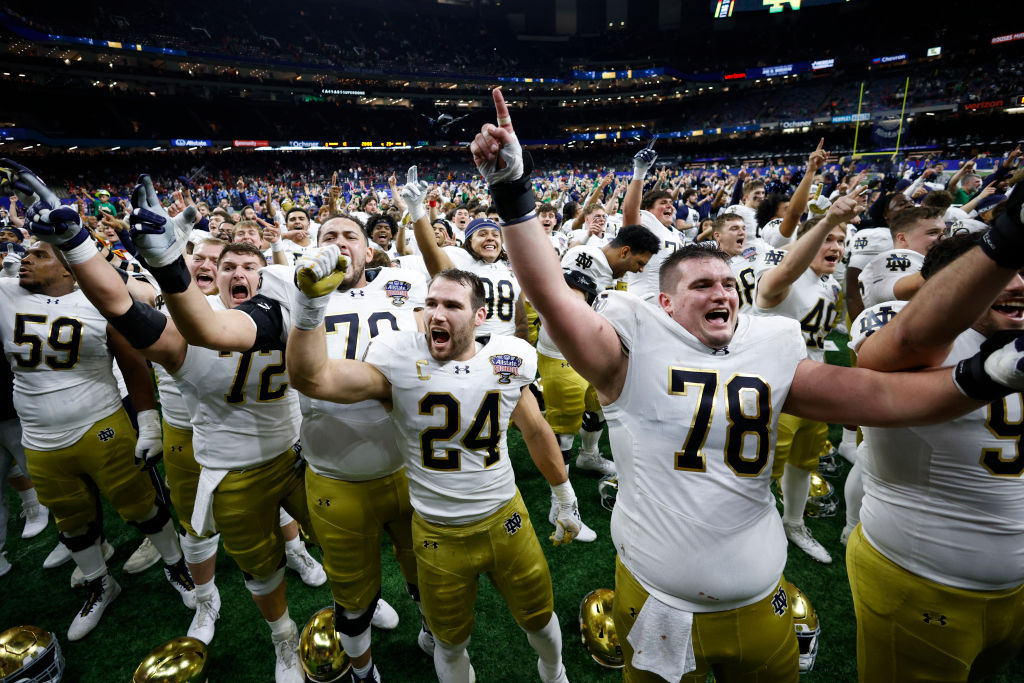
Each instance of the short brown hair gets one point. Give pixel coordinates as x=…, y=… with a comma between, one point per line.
x=477, y=295
x=905, y=220
x=241, y=248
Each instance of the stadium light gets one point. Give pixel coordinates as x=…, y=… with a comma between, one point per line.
x=114, y=149
x=73, y=147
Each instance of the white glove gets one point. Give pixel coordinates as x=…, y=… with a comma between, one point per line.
x=819, y=206
x=150, y=446
x=159, y=238
x=642, y=162
x=512, y=154
x=414, y=194
x=317, y=274
x=1005, y=365
x=568, y=524
x=12, y=262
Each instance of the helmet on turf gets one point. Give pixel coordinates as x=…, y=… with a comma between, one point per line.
x=608, y=489
x=805, y=619
x=179, y=660
x=597, y=630
x=31, y=655
x=828, y=465
x=821, y=500
x=320, y=651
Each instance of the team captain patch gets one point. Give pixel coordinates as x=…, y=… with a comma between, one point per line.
x=506, y=365
x=397, y=291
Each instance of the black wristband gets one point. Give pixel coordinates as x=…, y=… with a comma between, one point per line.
x=173, y=278
x=1004, y=241
x=515, y=198
x=969, y=374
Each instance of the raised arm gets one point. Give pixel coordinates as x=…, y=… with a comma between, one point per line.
x=434, y=257
x=588, y=341
x=798, y=203
x=310, y=371
x=774, y=285
x=952, y=300
x=642, y=163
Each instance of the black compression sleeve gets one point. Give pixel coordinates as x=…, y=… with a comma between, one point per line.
x=266, y=313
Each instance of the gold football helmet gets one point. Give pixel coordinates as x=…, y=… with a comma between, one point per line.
x=179, y=660
x=821, y=500
x=31, y=655
x=320, y=651
x=597, y=630
x=805, y=619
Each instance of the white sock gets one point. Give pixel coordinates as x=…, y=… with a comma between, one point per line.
x=451, y=662
x=849, y=443
x=362, y=672
x=90, y=561
x=359, y=644
x=796, y=484
x=166, y=543
x=295, y=545
x=589, y=441
x=28, y=497
x=205, y=591
x=854, y=492
x=547, y=642
x=282, y=625
x=565, y=441
x=283, y=517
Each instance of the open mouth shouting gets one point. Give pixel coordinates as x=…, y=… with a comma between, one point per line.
x=1012, y=309
x=718, y=318
x=240, y=292
x=205, y=282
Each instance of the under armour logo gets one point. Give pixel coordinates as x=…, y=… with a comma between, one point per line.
x=177, y=449
x=323, y=502
x=265, y=307
x=53, y=301
x=513, y=524
x=356, y=292
x=106, y=434
x=584, y=261
x=430, y=544
x=939, y=620
x=780, y=602
x=895, y=263
x=724, y=351
x=632, y=612
x=463, y=369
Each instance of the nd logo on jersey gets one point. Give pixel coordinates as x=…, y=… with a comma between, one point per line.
x=895, y=262
x=397, y=291
x=506, y=365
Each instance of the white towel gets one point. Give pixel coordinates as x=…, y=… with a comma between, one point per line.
x=202, y=512
x=661, y=640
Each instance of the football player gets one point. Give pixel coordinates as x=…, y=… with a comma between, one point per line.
x=452, y=398
x=942, y=523
x=691, y=503
x=730, y=233
x=656, y=212
x=896, y=273
x=74, y=429
x=362, y=491
x=801, y=287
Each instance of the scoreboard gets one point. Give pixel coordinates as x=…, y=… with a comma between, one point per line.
x=722, y=9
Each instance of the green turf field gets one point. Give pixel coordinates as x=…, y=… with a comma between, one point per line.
x=149, y=612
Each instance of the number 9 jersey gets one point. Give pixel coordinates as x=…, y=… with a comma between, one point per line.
x=63, y=378
x=693, y=434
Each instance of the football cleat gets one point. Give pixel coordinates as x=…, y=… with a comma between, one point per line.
x=821, y=499
x=384, y=616
x=597, y=630
x=77, y=578
x=320, y=651
x=799, y=536
x=30, y=654
x=102, y=592
x=58, y=556
x=287, y=668
x=204, y=620
x=179, y=660
x=594, y=461
x=372, y=677
x=144, y=557
x=805, y=619
x=36, y=516
x=180, y=578
x=308, y=569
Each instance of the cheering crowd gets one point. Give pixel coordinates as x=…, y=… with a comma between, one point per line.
x=396, y=333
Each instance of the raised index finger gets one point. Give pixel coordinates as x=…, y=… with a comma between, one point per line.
x=821, y=143
x=501, y=109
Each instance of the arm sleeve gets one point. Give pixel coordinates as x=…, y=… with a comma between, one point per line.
x=266, y=315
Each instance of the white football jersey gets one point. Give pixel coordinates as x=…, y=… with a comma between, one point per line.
x=770, y=233
x=644, y=284
x=590, y=261
x=243, y=411
x=356, y=442
x=867, y=244
x=812, y=301
x=172, y=404
x=63, y=378
x=560, y=242
x=583, y=236
x=879, y=276
x=452, y=419
x=693, y=435
x=501, y=292
x=946, y=501
x=745, y=267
